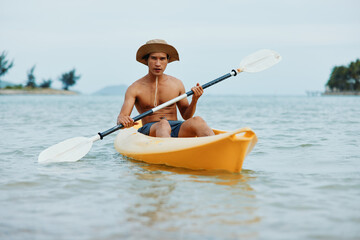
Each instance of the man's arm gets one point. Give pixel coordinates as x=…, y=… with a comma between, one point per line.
x=187, y=110
x=128, y=105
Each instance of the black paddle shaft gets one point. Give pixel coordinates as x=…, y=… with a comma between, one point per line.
x=147, y=113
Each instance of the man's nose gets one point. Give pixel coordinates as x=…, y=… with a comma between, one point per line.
x=157, y=63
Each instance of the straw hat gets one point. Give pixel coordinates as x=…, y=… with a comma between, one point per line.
x=156, y=45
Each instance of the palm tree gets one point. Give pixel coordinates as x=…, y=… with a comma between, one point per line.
x=69, y=79
x=46, y=83
x=31, y=78
x=354, y=72
x=338, y=78
x=344, y=78
x=4, y=65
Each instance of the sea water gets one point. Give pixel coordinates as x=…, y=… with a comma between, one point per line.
x=301, y=181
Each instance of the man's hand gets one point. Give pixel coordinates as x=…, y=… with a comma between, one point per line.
x=126, y=121
x=198, y=91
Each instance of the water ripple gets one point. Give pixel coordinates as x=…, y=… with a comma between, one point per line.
x=302, y=176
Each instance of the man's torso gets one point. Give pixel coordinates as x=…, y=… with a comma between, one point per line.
x=146, y=99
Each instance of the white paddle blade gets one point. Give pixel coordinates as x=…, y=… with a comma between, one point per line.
x=259, y=61
x=70, y=150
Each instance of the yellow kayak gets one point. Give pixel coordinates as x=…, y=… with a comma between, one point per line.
x=223, y=151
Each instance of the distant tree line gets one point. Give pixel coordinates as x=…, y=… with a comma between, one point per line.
x=68, y=79
x=345, y=78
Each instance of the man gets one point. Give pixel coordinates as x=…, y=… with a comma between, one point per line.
x=156, y=88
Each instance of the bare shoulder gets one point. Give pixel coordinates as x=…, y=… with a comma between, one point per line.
x=173, y=79
x=179, y=84
x=135, y=87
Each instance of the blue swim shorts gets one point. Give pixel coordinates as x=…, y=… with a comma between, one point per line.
x=175, y=128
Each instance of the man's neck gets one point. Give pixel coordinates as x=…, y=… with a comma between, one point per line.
x=153, y=77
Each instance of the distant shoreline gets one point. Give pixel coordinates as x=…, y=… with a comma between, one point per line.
x=345, y=93
x=37, y=91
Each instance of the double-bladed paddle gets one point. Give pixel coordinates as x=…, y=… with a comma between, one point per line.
x=74, y=149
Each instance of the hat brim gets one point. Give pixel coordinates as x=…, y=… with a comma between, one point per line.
x=156, y=47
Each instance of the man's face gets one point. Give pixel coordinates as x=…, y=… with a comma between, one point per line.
x=157, y=63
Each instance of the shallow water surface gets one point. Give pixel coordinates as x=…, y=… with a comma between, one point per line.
x=302, y=180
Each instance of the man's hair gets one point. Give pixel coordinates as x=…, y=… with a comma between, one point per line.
x=146, y=57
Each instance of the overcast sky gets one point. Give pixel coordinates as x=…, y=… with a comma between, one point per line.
x=100, y=39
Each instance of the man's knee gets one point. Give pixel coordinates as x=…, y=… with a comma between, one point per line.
x=161, y=129
x=164, y=125
x=198, y=120
x=195, y=126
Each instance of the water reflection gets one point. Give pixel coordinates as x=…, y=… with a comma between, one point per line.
x=151, y=203
x=183, y=200
x=218, y=177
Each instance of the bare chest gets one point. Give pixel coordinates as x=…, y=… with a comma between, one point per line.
x=151, y=95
